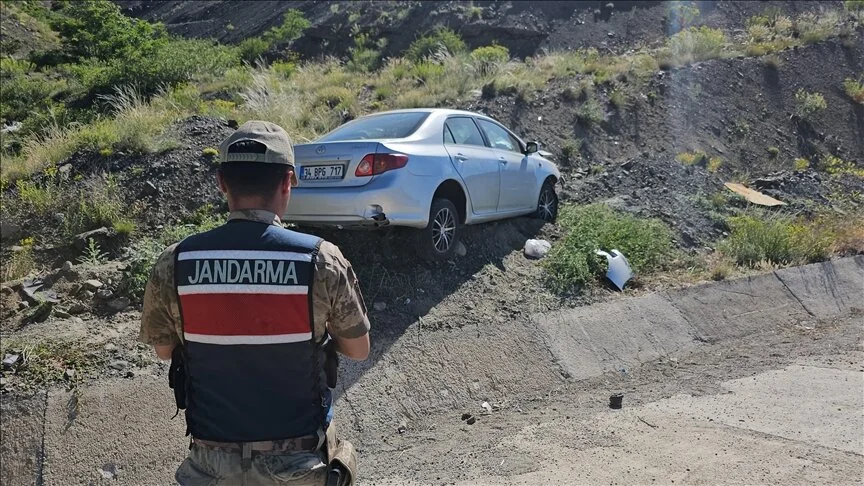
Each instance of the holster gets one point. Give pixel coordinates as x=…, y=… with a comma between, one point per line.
x=177, y=377
x=331, y=365
x=341, y=460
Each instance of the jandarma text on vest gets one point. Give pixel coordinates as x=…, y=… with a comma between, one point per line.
x=245, y=271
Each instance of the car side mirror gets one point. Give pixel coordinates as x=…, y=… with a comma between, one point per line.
x=532, y=147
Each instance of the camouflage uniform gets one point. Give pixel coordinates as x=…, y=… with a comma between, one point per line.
x=338, y=309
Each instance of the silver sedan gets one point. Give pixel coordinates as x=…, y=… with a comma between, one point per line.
x=430, y=169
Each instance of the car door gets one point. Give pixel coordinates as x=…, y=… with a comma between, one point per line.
x=517, y=174
x=478, y=168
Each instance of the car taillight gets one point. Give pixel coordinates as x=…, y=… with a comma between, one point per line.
x=374, y=164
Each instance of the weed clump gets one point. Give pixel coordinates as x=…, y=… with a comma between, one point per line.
x=573, y=263
x=854, y=89
x=432, y=44
x=775, y=239
x=809, y=104
x=695, y=44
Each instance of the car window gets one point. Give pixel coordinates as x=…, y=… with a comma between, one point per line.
x=390, y=125
x=448, y=135
x=498, y=137
x=463, y=132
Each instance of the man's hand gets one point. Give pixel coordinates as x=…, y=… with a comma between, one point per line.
x=356, y=348
x=163, y=351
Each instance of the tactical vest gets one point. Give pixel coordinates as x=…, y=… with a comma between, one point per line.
x=254, y=371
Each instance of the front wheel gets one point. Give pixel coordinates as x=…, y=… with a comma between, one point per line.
x=547, y=203
x=438, y=241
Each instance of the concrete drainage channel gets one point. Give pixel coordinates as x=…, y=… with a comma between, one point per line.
x=120, y=432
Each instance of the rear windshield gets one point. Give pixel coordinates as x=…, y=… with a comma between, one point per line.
x=390, y=125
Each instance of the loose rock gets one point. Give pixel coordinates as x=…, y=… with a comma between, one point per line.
x=77, y=308
x=67, y=267
x=10, y=361
x=104, y=294
x=119, y=364
x=537, y=248
x=92, y=285
x=69, y=374
x=460, y=250
x=379, y=306
x=62, y=314
x=110, y=347
x=100, y=235
x=119, y=304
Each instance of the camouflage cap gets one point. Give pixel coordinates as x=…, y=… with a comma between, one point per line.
x=278, y=143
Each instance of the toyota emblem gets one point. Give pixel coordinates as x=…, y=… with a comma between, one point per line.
x=320, y=149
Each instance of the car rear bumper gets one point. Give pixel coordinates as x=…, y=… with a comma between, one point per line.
x=389, y=199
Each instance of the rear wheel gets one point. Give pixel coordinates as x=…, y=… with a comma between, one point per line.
x=547, y=203
x=439, y=239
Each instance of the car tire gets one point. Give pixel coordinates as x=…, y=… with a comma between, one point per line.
x=547, y=202
x=439, y=239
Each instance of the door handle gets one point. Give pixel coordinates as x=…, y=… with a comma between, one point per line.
x=460, y=157
x=502, y=160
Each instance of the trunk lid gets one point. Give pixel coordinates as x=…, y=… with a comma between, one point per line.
x=331, y=164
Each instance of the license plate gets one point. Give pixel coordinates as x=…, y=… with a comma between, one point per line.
x=322, y=172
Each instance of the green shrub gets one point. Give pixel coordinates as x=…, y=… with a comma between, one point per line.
x=836, y=166
x=142, y=254
x=809, y=104
x=801, y=164
x=572, y=262
x=570, y=150
x=210, y=152
x=692, y=158
x=489, y=59
x=430, y=45
x=854, y=88
x=591, y=112
x=714, y=164
x=696, y=44
x=124, y=227
x=773, y=152
x=292, y=27
x=775, y=239
x=251, y=49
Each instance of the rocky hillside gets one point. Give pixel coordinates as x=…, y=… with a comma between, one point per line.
x=650, y=120
x=526, y=28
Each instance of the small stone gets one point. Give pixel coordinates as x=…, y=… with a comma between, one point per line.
x=119, y=364
x=104, y=294
x=77, y=320
x=69, y=374
x=119, y=304
x=469, y=305
x=471, y=421
x=403, y=427
x=67, y=267
x=77, y=308
x=10, y=360
x=62, y=314
x=23, y=305
x=92, y=285
x=487, y=407
x=130, y=374
x=110, y=347
x=460, y=250
x=87, y=294
x=379, y=306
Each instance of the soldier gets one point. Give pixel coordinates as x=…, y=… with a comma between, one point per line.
x=251, y=315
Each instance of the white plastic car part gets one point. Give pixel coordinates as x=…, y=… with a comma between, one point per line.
x=619, y=271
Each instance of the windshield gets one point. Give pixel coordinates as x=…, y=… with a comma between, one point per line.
x=390, y=125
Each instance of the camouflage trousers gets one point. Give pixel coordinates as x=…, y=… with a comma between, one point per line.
x=210, y=467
